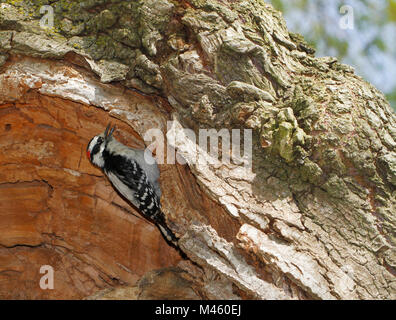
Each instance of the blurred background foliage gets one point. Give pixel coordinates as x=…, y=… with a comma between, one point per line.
x=370, y=47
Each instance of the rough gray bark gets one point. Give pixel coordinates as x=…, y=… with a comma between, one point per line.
x=316, y=216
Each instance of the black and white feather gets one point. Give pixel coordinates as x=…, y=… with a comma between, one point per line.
x=133, y=175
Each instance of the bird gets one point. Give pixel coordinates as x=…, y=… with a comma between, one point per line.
x=134, y=174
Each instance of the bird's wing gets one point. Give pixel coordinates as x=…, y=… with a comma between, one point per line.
x=131, y=181
x=150, y=168
x=125, y=169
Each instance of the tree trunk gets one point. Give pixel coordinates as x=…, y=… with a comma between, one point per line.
x=312, y=218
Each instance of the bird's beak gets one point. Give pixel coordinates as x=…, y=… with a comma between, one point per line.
x=109, y=131
x=89, y=155
x=106, y=133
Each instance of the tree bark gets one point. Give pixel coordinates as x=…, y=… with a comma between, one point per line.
x=314, y=218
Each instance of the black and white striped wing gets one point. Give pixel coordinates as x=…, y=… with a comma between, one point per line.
x=131, y=181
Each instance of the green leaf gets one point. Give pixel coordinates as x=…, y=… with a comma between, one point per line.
x=392, y=10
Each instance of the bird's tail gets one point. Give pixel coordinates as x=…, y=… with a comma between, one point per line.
x=168, y=234
x=159, y=218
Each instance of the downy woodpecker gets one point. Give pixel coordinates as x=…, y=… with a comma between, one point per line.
x=134, y=177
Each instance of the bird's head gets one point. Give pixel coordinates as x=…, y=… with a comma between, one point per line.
x=97, y=145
